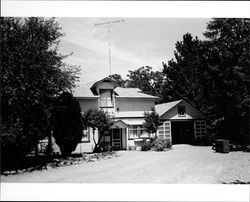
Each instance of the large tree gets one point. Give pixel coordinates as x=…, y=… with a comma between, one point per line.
x=67, y=123
x=118, y=80
x=228, y=75
x=99, y=120
x=185, y=73
x=147, y=80
x=32, y=73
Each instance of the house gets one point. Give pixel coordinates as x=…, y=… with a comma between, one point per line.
x=180, y=122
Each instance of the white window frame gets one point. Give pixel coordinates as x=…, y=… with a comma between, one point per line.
x=165, y=130
x=184, y=107
x=139, y=132
x=200, y=129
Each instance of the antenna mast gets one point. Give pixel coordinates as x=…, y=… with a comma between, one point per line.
x=108, y=24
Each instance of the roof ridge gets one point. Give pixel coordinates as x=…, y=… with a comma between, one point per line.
x=169, y=102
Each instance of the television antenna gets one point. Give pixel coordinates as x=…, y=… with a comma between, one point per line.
x=109, y=24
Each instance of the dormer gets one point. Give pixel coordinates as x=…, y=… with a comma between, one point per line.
x=105, y=89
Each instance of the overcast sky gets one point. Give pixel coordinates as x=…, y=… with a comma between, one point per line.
x=136, y=42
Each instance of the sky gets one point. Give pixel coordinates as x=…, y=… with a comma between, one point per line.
x=135, y=42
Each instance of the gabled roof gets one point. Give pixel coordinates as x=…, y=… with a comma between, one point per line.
x=84, y=91
x=132, y=93
x=163, y=108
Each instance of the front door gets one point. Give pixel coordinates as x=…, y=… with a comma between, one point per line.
x=117, y=138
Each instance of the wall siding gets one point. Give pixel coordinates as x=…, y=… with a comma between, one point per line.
x=127, y=104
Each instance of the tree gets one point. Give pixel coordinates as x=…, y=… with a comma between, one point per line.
x=228, y=75
x=185, y=73
x=99, y=120
x=152, y=122
x=32, y=73
x=67, y=123
x=148, y=81
x=118, y=80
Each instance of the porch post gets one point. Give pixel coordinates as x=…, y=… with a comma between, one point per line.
x=126, y=133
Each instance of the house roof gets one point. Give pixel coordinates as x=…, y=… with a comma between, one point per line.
x=86, y=91
x=131, y=121
x=163, y=108
x=132, y=93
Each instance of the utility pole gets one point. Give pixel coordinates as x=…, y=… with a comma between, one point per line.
x=108, y=24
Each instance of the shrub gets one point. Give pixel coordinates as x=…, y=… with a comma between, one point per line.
x=159, y=144
x=146, y=146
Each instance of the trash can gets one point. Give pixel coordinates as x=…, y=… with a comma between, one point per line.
x=222, y=146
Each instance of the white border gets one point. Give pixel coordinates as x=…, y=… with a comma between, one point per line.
x=124, y=192
x=159, y=9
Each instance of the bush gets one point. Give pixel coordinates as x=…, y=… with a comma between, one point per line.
x=146, y=146
x=157, y=144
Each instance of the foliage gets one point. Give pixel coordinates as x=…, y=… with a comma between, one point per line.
x=99, y=120
x=146, y=146
x=157, y=144
x=67, y=123
x=152, y=121
x=185, y=73
x=228, y=76
x=32, y=73
x=148, y=81
x=118, y=80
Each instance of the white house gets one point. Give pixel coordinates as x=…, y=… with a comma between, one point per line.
x=181, y=122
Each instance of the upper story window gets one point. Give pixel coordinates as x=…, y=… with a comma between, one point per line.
x=106, y=98
x=181, y=111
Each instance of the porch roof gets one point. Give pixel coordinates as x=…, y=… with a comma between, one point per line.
x=124, y=123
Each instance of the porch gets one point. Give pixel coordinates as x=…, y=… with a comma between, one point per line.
x=126, y=133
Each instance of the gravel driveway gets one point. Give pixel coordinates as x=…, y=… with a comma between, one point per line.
x=182, y=164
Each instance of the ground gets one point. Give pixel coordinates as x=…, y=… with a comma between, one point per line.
x=182, y=164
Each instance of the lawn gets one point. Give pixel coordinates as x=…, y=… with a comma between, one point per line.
x=182, y=164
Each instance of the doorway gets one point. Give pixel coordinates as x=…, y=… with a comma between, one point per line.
x=117, y=138
x=182, y=132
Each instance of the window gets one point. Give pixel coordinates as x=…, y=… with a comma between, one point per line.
x=136, y=131
x=200, y=129
x=164, y=130
x=86, y=135
x=106, y=99
x=181, y=111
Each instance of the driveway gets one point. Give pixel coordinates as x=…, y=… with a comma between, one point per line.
x=182, y=164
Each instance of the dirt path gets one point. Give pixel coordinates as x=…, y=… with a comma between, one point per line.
x=183, y=164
